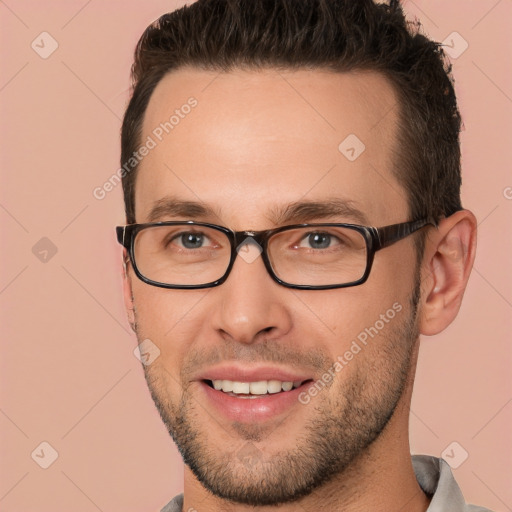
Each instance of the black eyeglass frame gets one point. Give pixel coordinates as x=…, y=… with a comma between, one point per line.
x=375, y=238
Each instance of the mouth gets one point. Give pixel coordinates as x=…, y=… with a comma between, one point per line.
x=255, y=401
x=252, y=394
x=255, y=389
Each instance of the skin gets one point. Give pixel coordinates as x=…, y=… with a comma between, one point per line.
x=257, y=141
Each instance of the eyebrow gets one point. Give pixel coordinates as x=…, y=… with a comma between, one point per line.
x=173, y=207
x=297, y=212
x=306, y=211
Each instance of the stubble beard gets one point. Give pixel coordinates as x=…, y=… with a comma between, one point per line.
x=344, y=426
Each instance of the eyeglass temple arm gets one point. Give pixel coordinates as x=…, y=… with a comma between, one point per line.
x=121, y=238
x=390, y=234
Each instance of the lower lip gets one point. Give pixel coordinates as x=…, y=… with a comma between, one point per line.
x=250, y=410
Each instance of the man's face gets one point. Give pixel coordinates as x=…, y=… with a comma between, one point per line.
x=256, y=143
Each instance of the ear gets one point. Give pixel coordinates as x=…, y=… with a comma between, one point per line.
x=127, y=291
x=447, y=263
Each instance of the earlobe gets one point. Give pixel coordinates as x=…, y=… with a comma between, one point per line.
x=448, y=260
x=127, y=292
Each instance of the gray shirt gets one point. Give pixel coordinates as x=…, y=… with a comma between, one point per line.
x=434, y=476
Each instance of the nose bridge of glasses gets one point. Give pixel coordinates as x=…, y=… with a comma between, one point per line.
x=257, y=238
x=249, y=244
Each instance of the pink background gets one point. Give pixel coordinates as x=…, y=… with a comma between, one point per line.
x=68, y=373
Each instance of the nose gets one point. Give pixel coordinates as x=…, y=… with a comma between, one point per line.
x=250, y=305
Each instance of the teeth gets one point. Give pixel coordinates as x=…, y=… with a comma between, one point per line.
x=226, y=385
x=274, y=386
x=261, y=387
x=287, y=386
x=241, y=387
x=258, y=388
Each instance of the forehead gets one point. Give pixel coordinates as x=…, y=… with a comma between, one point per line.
x=245, y=142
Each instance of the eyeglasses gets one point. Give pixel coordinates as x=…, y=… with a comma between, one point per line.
x=191, y=255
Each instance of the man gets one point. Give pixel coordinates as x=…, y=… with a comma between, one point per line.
x=292, y=191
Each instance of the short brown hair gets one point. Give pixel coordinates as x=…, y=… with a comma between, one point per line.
x=336, y=35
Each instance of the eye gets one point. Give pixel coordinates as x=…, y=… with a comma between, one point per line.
x=190, y=240
x=319, y=240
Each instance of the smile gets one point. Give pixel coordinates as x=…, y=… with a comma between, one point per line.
x=254, y=401
x=253, y=389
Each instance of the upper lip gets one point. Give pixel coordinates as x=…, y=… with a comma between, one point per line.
x=239, y=373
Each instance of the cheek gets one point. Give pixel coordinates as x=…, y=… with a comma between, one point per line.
x=170, y=318
x=362, y=312
x=344, y=313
